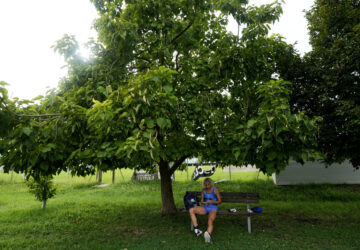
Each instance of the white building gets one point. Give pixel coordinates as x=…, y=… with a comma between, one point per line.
x=316, y=172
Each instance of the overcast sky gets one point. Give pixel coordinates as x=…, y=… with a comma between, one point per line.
x=29, y=28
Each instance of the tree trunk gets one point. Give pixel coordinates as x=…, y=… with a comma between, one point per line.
x=43, y=204
x=113, y=177
x=167, y=197
x=100, y=176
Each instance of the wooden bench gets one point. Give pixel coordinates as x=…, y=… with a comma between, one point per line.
x=233, y=197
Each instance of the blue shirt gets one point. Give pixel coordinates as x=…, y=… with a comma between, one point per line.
x=211, y=196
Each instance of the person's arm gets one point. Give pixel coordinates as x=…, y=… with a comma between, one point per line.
x=202, y=197
x=217, y=193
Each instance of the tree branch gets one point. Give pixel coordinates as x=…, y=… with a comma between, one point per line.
x=142, y=58
x=25, y=115
x=177, y=163
x=176, y=62
x=37, y=116
x=181, y=33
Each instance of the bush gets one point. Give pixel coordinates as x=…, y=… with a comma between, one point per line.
x=42, y=187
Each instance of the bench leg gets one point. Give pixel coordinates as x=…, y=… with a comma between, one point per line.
x=191, y=226
x=248, y=219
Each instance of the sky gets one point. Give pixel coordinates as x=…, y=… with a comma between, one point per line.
x=28, y=29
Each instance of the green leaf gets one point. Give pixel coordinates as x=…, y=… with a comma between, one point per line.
x=101, y=154
x=150, y=123
x=237, y=154
x=108, y=89
x=168, y=88
x=269, y=119
x=155, y=79
x=260, y=131
x=161, y=122
x=47, y=148
x=26, y=130
x=271, y=155
x=251, y=123
x=141, y=125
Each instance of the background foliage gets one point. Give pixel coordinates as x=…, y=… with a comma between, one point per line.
x=326, y=80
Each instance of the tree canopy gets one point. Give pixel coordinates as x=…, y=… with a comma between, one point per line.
x=326, y=80
x=167, y=81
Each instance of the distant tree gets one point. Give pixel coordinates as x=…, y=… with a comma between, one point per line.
x=326, y=81
x=168, y=82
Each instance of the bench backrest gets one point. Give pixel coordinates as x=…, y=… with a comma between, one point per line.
x=233, y=197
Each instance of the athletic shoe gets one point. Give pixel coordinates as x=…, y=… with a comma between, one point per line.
x=198, y=232
x=207, y=237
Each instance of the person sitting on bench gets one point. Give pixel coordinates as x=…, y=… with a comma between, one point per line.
x=210, y=197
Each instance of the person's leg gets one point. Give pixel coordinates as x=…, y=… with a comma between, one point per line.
x=212, y=216
x=194, y=211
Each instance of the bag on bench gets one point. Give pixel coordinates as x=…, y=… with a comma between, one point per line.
x=190, y=201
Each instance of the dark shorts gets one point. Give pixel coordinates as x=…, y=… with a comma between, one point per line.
x=210, y=207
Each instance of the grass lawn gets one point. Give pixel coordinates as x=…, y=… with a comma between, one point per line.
x=126, y=215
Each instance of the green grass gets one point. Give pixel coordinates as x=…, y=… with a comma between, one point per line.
x=127, y=215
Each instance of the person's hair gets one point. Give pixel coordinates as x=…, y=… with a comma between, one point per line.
x=208, y=180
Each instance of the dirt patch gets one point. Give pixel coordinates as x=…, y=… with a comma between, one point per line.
x=135, y=232
x=306, y=219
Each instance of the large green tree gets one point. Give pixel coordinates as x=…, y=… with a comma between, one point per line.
x=326, y=80
x=167, y=82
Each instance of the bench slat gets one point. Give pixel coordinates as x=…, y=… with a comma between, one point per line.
x=233, y=197
x=230, y=194
x=225, y=212
x=235, y=200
